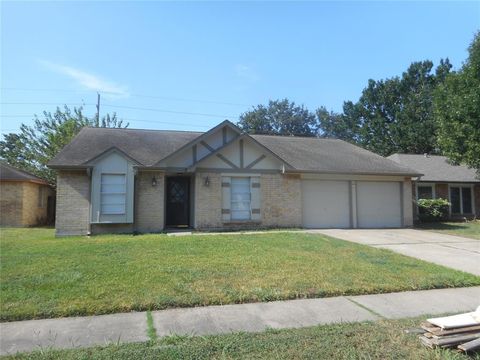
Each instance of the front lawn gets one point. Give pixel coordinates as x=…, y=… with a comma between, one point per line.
x=43, y=276
x=371, y=340
x=470, y=229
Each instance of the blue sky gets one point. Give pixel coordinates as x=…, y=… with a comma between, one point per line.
x=215, y=58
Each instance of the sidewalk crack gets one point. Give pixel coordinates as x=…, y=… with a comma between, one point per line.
x=366, y=308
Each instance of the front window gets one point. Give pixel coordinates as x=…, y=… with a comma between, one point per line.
x=425, y=192
x=461, y=199
x=240, y=206
x=113, y=194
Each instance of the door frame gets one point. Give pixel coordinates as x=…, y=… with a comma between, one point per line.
x=189, y=201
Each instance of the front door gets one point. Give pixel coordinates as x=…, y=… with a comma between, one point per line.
x=178, y=201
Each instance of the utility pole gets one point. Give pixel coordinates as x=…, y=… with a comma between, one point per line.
x=98, y=109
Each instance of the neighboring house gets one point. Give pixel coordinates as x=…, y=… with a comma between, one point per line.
x=126, y=180
x=458, y=184
x=25, y=199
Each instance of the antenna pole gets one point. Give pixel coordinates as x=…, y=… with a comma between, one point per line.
x=98, y=109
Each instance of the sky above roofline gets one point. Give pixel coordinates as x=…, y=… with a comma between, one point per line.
x=188, y=66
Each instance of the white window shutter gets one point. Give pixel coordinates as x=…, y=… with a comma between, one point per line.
x=226, y=198
x=255, y=190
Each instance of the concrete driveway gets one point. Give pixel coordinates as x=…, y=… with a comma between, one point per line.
x=453, y=251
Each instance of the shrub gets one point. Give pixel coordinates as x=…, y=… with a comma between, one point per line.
x=433, y=209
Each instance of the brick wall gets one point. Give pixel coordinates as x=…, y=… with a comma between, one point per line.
x=441, y=191
x=73, y=203
x=35, y=212
x=208, y=201
x=11, y=199
x=149, y=202
x=281, y=200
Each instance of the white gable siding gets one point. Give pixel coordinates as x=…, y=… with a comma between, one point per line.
x=251, y=153
x=112, y=163
x=212, y=142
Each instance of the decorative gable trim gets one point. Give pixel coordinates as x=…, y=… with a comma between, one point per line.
x=201, y=140
x=241, y=139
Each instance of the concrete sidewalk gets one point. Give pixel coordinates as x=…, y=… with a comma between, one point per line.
x=32, y=335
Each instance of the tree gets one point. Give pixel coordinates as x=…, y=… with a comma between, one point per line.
x=279, y=117
x=34, y=146
x=457, y=111
x=392, y=115
x=338, y=126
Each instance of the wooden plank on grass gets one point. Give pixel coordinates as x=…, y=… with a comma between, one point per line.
x=470, y=346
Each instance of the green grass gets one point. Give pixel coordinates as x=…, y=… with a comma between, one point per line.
x=470, y=229
x=44, y=277
x=151, y=331
x=371, y=340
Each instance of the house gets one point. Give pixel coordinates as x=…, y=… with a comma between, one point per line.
x=25, y=199
x=458, y=184
x=127, y=180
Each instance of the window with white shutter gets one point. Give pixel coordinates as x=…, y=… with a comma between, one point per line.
x=240, y=199
x=113, y=194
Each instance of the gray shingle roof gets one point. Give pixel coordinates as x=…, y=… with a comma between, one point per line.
x=8, y=172
x=436, y=168
x=147, y=147
x=330, y=156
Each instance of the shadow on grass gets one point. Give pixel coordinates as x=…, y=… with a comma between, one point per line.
x=440, y=226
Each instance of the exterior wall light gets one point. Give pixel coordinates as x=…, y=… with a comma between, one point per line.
x=207, y=182
x=154, y=181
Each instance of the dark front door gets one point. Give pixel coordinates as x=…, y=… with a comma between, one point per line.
x=178, y=201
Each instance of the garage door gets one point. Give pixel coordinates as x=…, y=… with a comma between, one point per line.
x=379, y=204
x=326, y=204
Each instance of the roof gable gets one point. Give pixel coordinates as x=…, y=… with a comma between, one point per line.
x=201, y=146
x=242, y=153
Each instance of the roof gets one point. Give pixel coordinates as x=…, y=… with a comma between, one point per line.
x=144, y=146
x=436, y=168
x=330, y=156
x=10, y=173
x=148, y=147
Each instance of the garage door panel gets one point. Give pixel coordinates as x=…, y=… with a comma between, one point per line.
x=326, y=204
x=379, y=204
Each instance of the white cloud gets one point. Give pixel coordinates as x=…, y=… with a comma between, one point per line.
x=89, y=81
x=246, y=72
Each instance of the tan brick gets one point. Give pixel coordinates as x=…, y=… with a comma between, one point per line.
x=73, y=203
x=20, y=205
x=208, y=201
x=149, y=202
x=280, y=202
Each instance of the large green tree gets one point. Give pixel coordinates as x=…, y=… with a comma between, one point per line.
x=279, y=117
x=35, y=145
x=392, y=115
x=457, y=111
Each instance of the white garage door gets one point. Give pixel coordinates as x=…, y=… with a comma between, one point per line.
x=326, y=204
x=379, y=204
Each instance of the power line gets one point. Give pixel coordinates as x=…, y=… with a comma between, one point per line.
x=126, y=107
x=131, y=119
x=40, y=103
x=133, y=95
x=169, y=111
